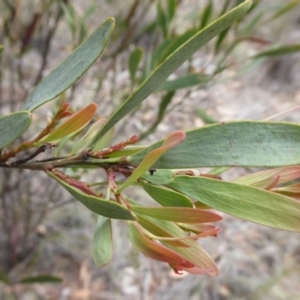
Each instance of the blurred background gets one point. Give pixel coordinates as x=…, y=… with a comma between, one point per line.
x=43, y=230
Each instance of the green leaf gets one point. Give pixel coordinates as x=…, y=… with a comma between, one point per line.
x=1, y=49
x=173, y=62
x=170, y=46
x=281, y=50
x=12, y=126
x=206, y=14
x=172, y=141
x=205, y=117
x=85, y=140
x=162, y=19
x=166, y=197
x=4, y=278
x=133, y=62
x=172, y=6
x=178, y=214
x=102, y=242
x=242, y=143
x=241, y=201
x=184, y=82
x=155, y=228
x=266, y=178
x=291, y=5
x=151, y=249
x=72, y=68
x=41, y=279
x=74, y=123
x=97, y=205
x=159, y=176
x=164, y=102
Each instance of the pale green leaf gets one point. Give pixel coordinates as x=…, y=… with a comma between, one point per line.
x=241, y=201
x=173, y=62
x=12, y=126
x=160, y=176
x=102, y=242
x=166, y=197
x=76, y=64
x=171, y=141
x=236, y=144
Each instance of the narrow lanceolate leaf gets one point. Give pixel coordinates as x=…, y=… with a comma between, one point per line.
x=133, y=62
x=159, y=176
x=97, y=205
x=286, y=8
x=244, y=202
x=265, y=178
x=102, y=242
x=153, y=250
x=292, y=190
x=281, y=50
x=204, y=264
x=242, y=143
x=155, y=228
x=166, y=197
x=171, y=141
x=176, y=214
x=12, y=126
x=66, y=74
x=85, y=140
x=74, y=123
x=184, y=82
x=174, y=61
x=41, y=279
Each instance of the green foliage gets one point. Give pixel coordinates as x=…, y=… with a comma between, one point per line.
x=102, y=242
x=165, y=169
x=12, y=126
x=66, y=74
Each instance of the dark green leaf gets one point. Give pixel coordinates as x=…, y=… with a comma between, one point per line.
x=162, y=19
x=172, y=5
x=12, y=126
x=242, y=143
x=3, y=277
x=72, y=68
x=281, y=50
x=102, y=242
x=97, y=205
x=206, y=14
x=41, y=279
x=173, y=62
x=133, y=62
